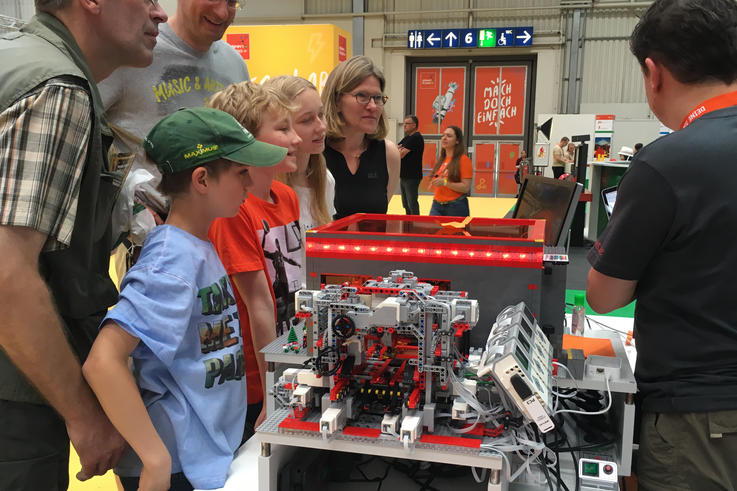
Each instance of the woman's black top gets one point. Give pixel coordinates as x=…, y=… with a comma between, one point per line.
x=364, y=191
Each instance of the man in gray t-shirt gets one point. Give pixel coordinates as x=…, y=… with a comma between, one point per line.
x=191, y=62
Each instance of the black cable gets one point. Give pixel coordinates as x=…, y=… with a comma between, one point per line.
x=544, y=460
x=575, y=470
x=589, y=446
x=557, y=462
x=560, y=480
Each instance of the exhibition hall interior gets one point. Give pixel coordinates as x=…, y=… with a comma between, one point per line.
x=423, y=246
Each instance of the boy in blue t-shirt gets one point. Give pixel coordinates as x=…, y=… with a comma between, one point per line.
x=183, y=409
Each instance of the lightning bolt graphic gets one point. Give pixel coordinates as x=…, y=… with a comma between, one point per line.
x=315, y=46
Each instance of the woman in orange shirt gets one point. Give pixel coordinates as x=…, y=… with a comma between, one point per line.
x=452, y=176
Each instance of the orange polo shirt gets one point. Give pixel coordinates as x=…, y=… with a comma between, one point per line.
x=444, y=193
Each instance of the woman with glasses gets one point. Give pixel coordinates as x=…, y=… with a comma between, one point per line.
x=451, y=176
x=363, y=162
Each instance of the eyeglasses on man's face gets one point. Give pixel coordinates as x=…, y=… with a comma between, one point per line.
x=363, y=98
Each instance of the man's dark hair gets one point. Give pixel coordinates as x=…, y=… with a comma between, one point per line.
x=564, y=140
x=175, y=184
x=696, y=40
x=638, y=147
x=413, y=118
x=50, y=5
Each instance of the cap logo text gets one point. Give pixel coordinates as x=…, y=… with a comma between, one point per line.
x=201, y=150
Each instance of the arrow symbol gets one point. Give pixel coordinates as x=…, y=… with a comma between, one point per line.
x=525, y=38
x=431, y=39
x=450, y=38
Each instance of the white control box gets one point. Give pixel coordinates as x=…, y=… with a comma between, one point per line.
x=597, y=474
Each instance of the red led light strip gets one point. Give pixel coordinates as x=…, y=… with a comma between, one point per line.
x=518, y=257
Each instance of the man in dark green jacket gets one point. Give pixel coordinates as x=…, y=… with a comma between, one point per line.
x=56, y=194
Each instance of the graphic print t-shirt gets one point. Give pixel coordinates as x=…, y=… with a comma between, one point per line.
x=263, y=236
x=189, y=364
x=137, y=98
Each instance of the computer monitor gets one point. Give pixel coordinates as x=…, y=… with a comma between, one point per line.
x=550, y=199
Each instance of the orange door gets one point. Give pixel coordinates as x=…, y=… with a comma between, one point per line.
x=508, y=155
x=484, y=163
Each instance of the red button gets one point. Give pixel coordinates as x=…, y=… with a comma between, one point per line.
x=608, y=469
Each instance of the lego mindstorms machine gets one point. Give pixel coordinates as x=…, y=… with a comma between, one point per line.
x=393, y=355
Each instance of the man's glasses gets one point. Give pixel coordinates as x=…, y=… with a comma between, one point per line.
x=364, y=99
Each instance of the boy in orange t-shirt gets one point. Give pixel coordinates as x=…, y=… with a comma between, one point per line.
x=261, y=248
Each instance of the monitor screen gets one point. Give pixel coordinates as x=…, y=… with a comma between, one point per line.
x=609, y=196
x=552, y=200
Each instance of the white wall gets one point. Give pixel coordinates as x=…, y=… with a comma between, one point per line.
x=568, y=125
x=631, y=110
x=547, y=85
x=627, y=132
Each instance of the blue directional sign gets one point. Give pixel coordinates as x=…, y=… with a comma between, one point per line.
x=485, y=37
x=505, y=36
x=433, y=38
x=414, y=39
x=523, y=36
x=451, y=38
x=469, y=38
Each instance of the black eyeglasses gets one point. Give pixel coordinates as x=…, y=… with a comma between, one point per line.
x=364, y=99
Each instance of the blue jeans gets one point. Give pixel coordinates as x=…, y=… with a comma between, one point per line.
x=457, y=208
x=409, y=188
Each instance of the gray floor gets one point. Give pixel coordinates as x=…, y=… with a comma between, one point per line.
x=578, y=268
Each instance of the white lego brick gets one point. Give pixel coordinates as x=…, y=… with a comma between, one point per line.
x=308, y=377
x=390, y=424
x=355, y=347
x=290, y=375
x=387, y=312
x=411, y=428
x=332, y=420
x=459, y=410
x=302, y=395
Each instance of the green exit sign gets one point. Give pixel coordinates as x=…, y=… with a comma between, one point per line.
x=487, y=38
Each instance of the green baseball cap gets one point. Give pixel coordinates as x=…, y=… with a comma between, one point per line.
x=192, y=137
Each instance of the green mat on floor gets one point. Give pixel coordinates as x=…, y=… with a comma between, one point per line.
x=626, y=311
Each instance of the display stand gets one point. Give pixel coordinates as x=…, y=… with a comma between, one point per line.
x=353, y=440
x=361, y=437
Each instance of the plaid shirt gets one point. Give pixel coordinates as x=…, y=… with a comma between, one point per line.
x=43, y=145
